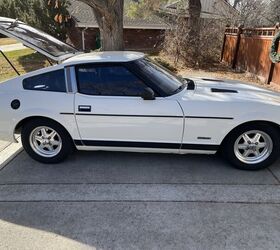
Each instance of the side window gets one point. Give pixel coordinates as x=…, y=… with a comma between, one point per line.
x=51, y=81
x=108, y=81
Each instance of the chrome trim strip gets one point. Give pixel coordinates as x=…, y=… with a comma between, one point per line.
x=73, y=79
x=160, y=116
x=68, y=80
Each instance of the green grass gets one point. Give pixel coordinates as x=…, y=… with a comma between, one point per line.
x=24, y=60
x=7, y=41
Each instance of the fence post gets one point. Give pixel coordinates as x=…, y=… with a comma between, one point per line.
x=235, y=58
x=224, y=43
x=272, y=65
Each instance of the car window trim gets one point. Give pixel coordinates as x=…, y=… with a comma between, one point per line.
x=66, y=88
x=112, y=64
x=152, y=80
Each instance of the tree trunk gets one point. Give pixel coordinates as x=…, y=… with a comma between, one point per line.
x=194, y=28
x=109, y=16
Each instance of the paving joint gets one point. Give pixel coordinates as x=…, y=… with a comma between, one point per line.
x=140, y=201
x=9, y=153
x=274, y=176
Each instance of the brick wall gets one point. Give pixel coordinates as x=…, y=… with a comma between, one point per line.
x=134, y=39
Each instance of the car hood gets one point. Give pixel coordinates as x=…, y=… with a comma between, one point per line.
x=230, y=90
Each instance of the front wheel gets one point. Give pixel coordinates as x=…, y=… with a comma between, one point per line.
x=253, y=147
x=46, y=141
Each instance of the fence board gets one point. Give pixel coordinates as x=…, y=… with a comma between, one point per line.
x=229, y=50
x=276, y=72
x=253, y=52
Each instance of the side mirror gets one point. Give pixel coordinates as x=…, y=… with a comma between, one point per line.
x=148, y=94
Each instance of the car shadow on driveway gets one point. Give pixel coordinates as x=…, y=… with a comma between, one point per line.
x=53, y=223
x=116, y=167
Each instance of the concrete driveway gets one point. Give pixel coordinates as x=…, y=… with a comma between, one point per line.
x=12, y=47
x=104, y=200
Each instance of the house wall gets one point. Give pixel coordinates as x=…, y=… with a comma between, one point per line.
x=134, y=39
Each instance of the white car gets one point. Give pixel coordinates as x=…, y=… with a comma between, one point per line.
x=122, y=101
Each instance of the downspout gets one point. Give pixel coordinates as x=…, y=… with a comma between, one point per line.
x=83, y=38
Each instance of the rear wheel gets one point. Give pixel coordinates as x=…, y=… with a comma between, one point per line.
x=253, y=147
x=46, y=141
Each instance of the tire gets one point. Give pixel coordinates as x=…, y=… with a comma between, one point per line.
x=46, y=141
x=252, y=152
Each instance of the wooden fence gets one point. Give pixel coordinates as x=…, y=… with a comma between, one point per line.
x=248, y=49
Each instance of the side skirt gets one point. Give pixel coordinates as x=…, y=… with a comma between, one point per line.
x=147, y=147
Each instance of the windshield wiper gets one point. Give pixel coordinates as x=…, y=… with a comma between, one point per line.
x=179, y=89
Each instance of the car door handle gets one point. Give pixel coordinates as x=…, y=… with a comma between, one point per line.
x=84, y=108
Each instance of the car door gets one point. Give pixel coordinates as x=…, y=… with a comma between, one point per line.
x=111, y=113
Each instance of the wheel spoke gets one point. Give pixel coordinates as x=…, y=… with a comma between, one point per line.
x=42, y=146
x=247, y=153
x=256, y=153
x=43, y=132
x=246, y=138
x=55, y=143
x=257, y=137
x=52, y=134
x=243, y=146
x=49, y=147
x=261, y=145
x=38, y=138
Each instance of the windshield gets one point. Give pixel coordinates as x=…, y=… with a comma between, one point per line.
x=36, y=38
x=165, y=81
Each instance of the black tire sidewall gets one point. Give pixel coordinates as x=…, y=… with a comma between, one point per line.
x=67, y=143
x=229, y=146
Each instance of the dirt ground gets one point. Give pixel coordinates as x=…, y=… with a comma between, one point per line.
x=223, y=72
x=217, y=70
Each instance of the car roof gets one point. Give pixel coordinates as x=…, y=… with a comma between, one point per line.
x=107, y=56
